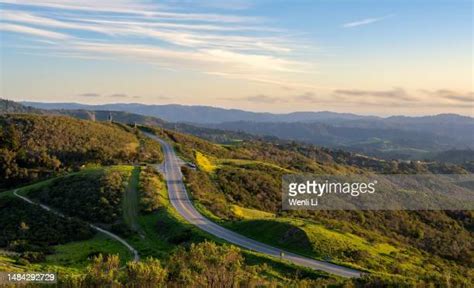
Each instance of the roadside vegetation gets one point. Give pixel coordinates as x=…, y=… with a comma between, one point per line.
x=416, y=247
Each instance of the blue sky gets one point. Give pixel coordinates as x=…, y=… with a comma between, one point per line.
x=369, y=57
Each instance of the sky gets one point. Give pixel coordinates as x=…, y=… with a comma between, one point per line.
x=372, y=57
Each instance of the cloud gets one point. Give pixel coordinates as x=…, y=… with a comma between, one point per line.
x=455, y=96
x=91, y=95
x=395, y=94
x=163, y=97
x=31, y=31
x=365, y=21
x=118, y=95
x=129, y=7
x=223, y=45
x=306, y=97
x=186, y=35
x=218, y=4
x=461, y=98
x=260, y=98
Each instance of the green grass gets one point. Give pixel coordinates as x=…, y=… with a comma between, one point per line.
x=241, y=162
x=210, y=164
x=70, y=258
x=77, y=255
x=130, y=202
x=319, y=242
x=247, y=213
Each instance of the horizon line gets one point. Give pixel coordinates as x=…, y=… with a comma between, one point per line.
x=244, y=110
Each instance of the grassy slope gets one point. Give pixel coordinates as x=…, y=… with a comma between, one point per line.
x=77, y=255
x=374, y=252
x=130, y=201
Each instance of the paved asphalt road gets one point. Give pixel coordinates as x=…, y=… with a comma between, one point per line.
x=181, y=202
x=136, y=257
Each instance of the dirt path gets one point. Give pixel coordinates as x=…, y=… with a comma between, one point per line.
x=136, y=257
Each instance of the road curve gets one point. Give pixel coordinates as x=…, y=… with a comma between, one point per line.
x=181, y=202
x=136, y=257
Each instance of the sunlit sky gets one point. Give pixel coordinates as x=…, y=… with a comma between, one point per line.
x=412, y=57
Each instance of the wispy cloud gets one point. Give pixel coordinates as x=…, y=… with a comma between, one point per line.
x=307, y=97
x=31, y=31
x=129, y=7
x=366, y=21
x=157, y=35
x=223, y=45
x=260, y=98
x=394, y=94
x=263, y=99
x=453, y=96
x=119, y=95
x=89, y=94
x=217, y=4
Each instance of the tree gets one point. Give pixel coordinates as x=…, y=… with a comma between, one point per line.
x=207, y=265
x=146, y=274
x=103, y=272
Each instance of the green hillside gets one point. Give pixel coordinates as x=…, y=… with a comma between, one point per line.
x=391, y=244
x=99, y=195
x=236, y=184
x=37, y=146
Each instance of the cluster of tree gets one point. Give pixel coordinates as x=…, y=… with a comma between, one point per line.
x=150, y=184
x=38, y=146
x=253, y=186
x=201, y=265
x=149, y=150
x=204, y=191
x=94, y=196
x=32, y=145
x=31, y=231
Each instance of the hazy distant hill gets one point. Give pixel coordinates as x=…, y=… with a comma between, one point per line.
x=216, y=135
x=7, y=106
x=397, y=137
x=203, y=114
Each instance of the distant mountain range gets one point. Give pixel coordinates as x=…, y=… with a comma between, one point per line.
x=203, y=114
x=396, y=137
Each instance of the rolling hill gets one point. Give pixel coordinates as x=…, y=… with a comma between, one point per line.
x=237, y=185
x=396, y=137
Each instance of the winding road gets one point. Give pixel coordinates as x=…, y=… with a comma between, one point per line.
x=181, y=202
x=136, y=257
